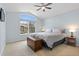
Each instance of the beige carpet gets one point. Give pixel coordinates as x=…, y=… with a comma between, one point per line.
x=21, y=49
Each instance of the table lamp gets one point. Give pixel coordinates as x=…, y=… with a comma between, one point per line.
x=42, y=29
x=72, y=31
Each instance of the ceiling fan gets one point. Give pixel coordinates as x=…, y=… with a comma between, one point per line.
x=43, y=6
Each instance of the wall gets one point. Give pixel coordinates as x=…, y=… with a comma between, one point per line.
x=38, y=25
x=2, y=34
x=2, y=37
x=65, y=21
x=13, y=27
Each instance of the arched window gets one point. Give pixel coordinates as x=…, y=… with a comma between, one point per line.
x=27, y=21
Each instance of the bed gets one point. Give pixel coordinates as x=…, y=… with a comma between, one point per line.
x=50, y=39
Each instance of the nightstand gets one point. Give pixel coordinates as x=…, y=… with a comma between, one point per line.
x=71, y=41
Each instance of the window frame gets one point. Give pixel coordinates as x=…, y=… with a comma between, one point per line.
x=28, y=23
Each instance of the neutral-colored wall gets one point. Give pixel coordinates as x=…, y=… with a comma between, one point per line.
x=2, y=37
x=65, y=20
x=13, y=27
x=38, y=25
x=2, y=33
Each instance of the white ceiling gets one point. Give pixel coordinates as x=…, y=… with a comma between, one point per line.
x=57, y=8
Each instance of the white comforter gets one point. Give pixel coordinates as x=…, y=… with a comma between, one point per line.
x=49, y=38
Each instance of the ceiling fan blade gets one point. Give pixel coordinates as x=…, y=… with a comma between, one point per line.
x=37, y=6
x=42, y=3
x=48, y=4
x=48, y=7
x=38, y=9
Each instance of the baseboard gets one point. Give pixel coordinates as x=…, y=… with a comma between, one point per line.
x=14, y=41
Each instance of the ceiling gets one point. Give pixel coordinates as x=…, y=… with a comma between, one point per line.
x=57, y=8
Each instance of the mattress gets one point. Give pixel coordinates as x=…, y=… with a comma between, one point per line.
x=49, y=38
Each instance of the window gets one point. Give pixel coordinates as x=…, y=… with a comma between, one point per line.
x=31, y=28
x=24, y=27
x=27, y=23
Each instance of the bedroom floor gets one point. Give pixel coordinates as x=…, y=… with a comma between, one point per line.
x=21, y=49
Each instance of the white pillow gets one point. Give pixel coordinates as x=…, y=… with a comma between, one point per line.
x=56, y=30
x=48, y=30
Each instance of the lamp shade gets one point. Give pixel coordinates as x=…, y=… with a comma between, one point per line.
x=72, y=30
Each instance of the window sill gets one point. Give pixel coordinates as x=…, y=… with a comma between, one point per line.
x=24, y=34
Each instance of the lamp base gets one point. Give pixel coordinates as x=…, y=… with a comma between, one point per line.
x=72, y=34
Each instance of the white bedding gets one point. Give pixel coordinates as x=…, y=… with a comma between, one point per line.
x=49, y=38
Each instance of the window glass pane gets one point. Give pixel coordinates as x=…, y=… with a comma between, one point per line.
x=31, y=28
x=23, y=27
x=27, y=17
